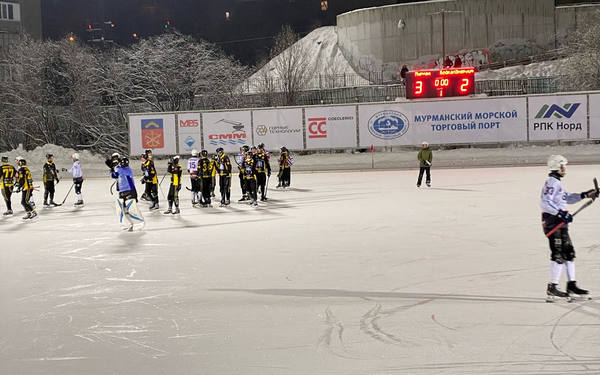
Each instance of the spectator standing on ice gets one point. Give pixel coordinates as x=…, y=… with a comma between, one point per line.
x=425, y=157
x=554, y=200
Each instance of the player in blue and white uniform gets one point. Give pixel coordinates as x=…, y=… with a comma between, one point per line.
x=127, y=192
x=553, y=202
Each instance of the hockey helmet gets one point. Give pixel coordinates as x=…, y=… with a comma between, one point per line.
x=148, y=151
x=261, y=146
x=48, y=156
x=124, y=161
x=219, y=150
x=194, y=152
x=75, y=156
x=5, y=159
x=115, y=155
x=556, y=162
x=176, y=159
x=204, y=153
x=144, y=156
x=245, y=148
x=22, y=162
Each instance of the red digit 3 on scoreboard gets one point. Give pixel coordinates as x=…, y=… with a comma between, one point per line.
x=440, y=83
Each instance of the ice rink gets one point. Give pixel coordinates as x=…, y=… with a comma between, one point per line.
x=344, y=273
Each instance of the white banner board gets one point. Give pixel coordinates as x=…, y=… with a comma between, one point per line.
x=230, y=130
x=557, y=117
x=594, y=116
x=188, y=127
x=153, y=131
x=278, y=127
x=452, y=121
x=330, y=127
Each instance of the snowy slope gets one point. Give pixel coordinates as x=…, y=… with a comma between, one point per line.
x=326, y=58
x=541, y=69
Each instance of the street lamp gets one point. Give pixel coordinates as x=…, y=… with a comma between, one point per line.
x=443, y=13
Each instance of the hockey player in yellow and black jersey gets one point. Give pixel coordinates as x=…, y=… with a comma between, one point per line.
x=175, y=170
x=50, y=175
x=224, y=170
x=263, y=170
x=205, y=172
x=249, y=170
x=150, y=178
x=25, y=186
x=7, y=182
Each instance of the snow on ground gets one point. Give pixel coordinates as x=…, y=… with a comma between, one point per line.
x=534, y=70
x=326, y=58
x=344, y=273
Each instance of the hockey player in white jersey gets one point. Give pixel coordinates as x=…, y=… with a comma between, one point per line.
x=554, y=200
x=195, y=181
x=77, y=173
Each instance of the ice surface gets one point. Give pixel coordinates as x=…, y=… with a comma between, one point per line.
x=344, y=273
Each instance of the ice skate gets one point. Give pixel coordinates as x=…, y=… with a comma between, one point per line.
x=576, y=292
x=27, y=217
x=254, y=203
x=227, y=202
x=243, y=198
x=176, y=211
x=78, y=203
x=428, y=184
x=168, y=211
x=418, y=185
x=552, y=293
x=32, y=215
x=154, y=206
x=8, y=213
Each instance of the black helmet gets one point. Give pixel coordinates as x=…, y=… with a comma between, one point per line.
x=261, y=145
x=5, y=159
x=147, y=151
x=22, y=162
x=144, y=156
x=253, y=148
x=176, y=159
x=124, y=161
x=48, y=156
x=219, y=150
x=204, y=153
x=245, y=148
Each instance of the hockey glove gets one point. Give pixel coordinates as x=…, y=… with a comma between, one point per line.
x=592, y=193
x=565, y=216
x=143, y=180
x=17, y=188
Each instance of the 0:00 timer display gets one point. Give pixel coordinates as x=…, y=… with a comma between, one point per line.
x=440, y=83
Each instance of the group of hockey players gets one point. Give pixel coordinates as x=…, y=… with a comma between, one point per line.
x=19, y=179
x=254, y=171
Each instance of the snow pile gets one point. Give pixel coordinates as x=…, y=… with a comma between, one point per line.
x=541, y=69
x=326, y=58
x=62, y=158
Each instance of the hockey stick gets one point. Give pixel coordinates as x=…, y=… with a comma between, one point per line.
x=585, y=205
x=160, y=187
x=111, y=187
x=68, y=192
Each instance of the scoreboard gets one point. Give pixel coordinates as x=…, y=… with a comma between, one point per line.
x=440, y=83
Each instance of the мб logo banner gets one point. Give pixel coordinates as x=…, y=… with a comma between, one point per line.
x=153, y=135
x=388, y=124
x=566, y=110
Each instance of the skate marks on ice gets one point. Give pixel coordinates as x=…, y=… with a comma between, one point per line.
x=327, y=293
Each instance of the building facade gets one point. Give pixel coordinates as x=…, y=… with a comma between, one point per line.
x=422, y=34
x=19, y=17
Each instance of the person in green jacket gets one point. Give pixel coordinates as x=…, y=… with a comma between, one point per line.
x=425, y=157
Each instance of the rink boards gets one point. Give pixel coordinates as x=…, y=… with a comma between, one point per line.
x=447, y=121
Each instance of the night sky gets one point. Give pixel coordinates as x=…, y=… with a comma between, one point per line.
x=247, y=35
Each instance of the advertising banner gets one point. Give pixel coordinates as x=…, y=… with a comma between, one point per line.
x=278, y=127
x=153, y=131
x=330, y=127
x=443, y=122
x=188, y=125
x=557, y=117
x=230, y=130
x=594, y=116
